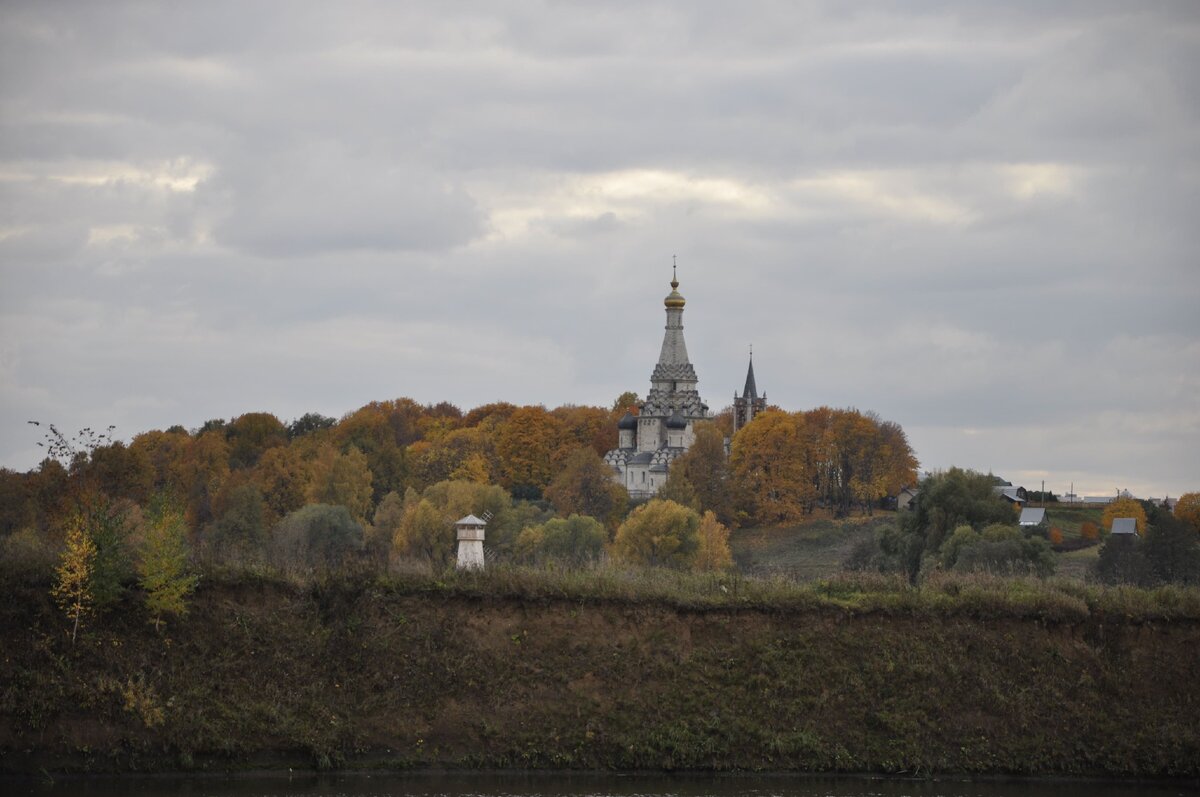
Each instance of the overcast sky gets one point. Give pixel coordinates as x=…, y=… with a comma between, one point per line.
x=979, y=220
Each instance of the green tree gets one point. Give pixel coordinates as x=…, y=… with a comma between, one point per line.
x=239, y=534
x=1121, y=561
x=946, y=501
x=1172, y=551
x=163, y=566
x=575, y=540
x=73, y=583
x=660, y=534
x=1002, y=550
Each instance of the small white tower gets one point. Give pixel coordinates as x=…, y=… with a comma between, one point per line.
x=470, y=543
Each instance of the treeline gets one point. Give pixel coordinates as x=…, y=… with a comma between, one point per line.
x=959, y=523
x=784, y=465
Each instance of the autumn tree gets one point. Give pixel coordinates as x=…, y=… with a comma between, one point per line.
x=425, y=533
x=771, y=469
x=713, y=552
x=386, y=520
x=163, y=565
x=457, y=499
x=705, y=466
x=1089, y=530
x=626, y=402
x=1187, y=509
x=677, y=488
x=530, y=444
x=1125, y=507
x=250, y=435
x=199, y=472
x=282, y=477
x=73, y=582
x=585, y=486
x=659, y=534
x=342, y=480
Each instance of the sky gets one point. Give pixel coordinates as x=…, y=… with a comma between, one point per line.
x=976, y=219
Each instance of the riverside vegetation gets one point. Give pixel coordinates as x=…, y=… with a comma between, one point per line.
x=164, y=608
x=609, y=667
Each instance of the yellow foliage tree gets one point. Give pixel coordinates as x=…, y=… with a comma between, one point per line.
x=1188, y=509
x=713, y=553
x=530, y=444
x=73, y=585
x=162, y=569
x=660, y=534
x=425, y=533
x=1125, y=507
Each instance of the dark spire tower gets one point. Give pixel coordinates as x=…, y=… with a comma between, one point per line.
x=749, y=404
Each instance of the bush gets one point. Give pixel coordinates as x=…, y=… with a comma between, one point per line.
x=577, y=540
x=659, y=533
x=1089, y=530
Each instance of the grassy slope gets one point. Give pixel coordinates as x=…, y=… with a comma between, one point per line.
x=817, y=549
x=513, y=668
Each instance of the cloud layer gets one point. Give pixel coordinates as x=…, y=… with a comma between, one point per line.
x=978, y=220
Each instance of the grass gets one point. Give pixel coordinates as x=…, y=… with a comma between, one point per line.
x=804, y=552
x=609, y=667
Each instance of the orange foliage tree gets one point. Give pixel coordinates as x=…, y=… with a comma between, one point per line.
x=771, y=468
x=1125, y=507
x=530, y=444
x=1188, y=509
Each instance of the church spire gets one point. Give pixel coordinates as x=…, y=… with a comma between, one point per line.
x=751, y=389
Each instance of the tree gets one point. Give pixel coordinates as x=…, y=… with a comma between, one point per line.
x=162, y=569
x=946, y=501
x=1089, y=530
x=282, y=477
x=659, y=534
x=626, y=402
x=713, y=552
x=319, y=536
x=343, y=480
x=1125, y=507
x=1121, y=561
x=585, y=486
x=705, y=466
x=770, y=468
x=239, y=534
x=1001, y=550
x=73, y=584
x=530, y=444
x=1187, y=509
x=575, y=540
x=250, y=435
x=677, y=488
x=308, y=423
x=379, y=535
x=425, y=533
x=1172, y=551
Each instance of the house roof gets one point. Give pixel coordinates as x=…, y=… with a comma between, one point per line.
x=1009, y=492
x=1124, y=525
x=471, y=520
x=1032, y=517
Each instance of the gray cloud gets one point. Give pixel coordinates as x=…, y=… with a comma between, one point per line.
x=976, y=220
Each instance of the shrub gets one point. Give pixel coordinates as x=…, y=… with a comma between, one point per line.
x=1089, y=530
x=659, y=533
x=577, y=540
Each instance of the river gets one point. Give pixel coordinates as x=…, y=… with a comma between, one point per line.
x=573, y=785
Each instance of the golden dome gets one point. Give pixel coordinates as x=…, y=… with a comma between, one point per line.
x=674, y=298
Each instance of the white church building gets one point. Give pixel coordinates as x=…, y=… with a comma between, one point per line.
x=663, y=428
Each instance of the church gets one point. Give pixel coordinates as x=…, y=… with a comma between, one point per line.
x=664, y=427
